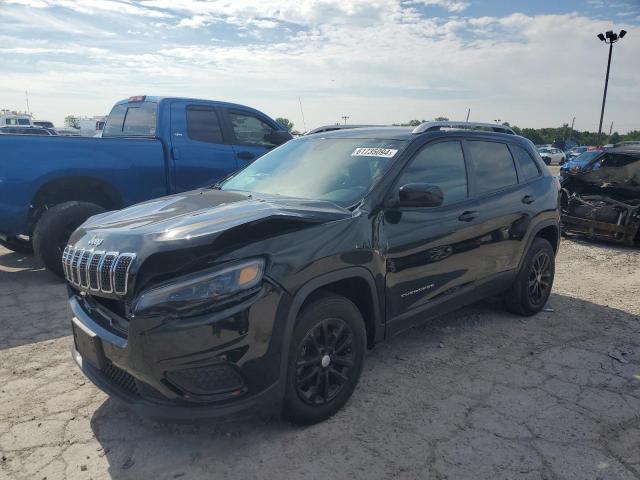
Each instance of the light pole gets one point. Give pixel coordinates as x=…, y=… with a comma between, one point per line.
x=609, y=38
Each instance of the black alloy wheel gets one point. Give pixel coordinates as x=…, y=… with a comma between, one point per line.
x=532, y=286
x=326, y=354
x=540, y=278
x=324, y=362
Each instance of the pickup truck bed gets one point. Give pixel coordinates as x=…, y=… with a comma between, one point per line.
x=122, y=171
x=151, y=147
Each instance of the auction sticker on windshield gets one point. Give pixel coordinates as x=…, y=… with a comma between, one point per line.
x=374, y=152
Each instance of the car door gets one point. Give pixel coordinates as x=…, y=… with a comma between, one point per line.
x=430, y=251
x=503, y=207
x=200, y=152
x=250, y=133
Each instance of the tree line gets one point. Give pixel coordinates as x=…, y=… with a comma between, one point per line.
x=540, y=136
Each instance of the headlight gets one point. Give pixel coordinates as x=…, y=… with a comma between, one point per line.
x=204, y=287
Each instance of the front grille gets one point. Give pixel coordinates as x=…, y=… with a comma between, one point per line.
x=121, y=378
x=100, y=271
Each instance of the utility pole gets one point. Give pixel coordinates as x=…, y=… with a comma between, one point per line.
x=304, y=124
x=610, y=128
x=26, y=94
x=468, y=112
x=610, y=38
x=345, y=118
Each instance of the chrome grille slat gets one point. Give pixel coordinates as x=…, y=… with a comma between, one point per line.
x=83, y=264
x=105, y=271
x=121, y=272
x=93, y=271
x=75, y=279
x=64, y=261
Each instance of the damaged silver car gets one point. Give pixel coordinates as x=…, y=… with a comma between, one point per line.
x=601, y=199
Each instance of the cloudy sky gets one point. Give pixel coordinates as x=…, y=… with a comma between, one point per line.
x=532, y=63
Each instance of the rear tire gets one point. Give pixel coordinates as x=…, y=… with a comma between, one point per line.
x=532, y=287
x=325, y=359
x=18, y=245
x=55, y=226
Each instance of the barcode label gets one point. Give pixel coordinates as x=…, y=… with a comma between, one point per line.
x=374, y=152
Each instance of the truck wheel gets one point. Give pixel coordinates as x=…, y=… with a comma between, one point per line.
x=533, y=284
x=55, y=226
x=17, y=244
x=325, y=359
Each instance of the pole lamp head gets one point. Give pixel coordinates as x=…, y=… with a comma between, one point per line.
x=601, y=37
x=622, y=33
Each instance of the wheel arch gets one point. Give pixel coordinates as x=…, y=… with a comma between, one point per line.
x=74, y=188
x=354, y=283
x=549, y=230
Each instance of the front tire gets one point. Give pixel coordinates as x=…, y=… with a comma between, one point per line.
x=17, y=244
x=55, y=226
x=533, y=284
x=325, y=359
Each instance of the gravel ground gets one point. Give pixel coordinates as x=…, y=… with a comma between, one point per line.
x=478, y=394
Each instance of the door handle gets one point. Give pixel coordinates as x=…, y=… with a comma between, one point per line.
x=528, y=199
x=468, y=216
x=245, y=155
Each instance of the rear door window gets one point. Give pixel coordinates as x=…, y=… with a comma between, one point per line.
x=203, y=124
x=440, y=164
x=526, y=163
x=493, y=166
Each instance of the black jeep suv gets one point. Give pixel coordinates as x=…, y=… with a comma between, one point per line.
x=268, y=288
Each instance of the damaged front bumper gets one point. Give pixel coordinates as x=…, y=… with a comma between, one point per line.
x=601, y=217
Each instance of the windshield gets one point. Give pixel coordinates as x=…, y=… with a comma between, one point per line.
x=341, y=170
x=132, y=120
x=587, y=156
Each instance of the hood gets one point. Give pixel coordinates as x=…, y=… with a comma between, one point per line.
x=196, y=218
x=615, y=173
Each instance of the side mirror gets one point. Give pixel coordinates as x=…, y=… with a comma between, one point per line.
x=278, y=137
x=420, y=195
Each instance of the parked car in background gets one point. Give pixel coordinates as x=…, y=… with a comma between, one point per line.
x=91, y=126
x=151, y=146
x=13, y=119
x=269, y=288
x=582, y=160
x=27, y=131
x=68, y=132
x=43, y=124
x=552, y=156
x=574, y=152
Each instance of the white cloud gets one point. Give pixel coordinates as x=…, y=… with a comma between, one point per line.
x=378, y=61
x=449, y=5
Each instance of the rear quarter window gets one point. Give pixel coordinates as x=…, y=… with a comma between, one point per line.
x=493, y=165
x=526, y=163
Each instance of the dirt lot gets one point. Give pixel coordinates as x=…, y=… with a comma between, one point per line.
x=476, y=394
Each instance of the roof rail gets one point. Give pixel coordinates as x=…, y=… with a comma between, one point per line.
x=431, y=126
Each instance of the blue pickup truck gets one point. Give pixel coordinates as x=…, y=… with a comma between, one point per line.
x=150, y=147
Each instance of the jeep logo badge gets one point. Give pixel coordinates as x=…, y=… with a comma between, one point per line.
x=95, y=241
